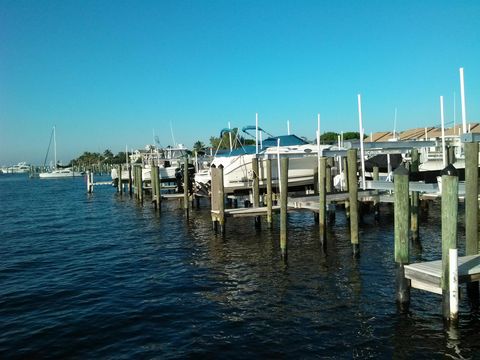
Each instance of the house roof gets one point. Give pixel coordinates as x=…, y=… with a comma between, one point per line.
x=419, y=133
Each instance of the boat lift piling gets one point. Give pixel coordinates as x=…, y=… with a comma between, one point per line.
x=186, y=186
x=156, y=187
x=256, y=189
x=414, y=164
x=471, y=213
x=330, y=211
x=283, y=207
x=449, y=241
x=346, y=177
x=401, y=216
x=376, y=199
x=120, y=183
x=353, y=199
x=130, y=180
x=91, y=184
x=322, y=198
x=269, y=193
x=218, y=199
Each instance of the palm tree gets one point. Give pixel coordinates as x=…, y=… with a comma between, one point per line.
x=198, y=146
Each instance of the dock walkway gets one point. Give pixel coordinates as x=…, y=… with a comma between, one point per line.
x=428, y=275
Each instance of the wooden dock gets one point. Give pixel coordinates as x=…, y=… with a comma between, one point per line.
x=439, y=277
x=428, y=275
x=248, y=212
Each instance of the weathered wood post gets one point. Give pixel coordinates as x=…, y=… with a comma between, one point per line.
x=401, y=216
x=415, y=162
x=256, y=189
x=449, y=233
x=471, y=213
x=186, y=186
x=130, y=179
x=140, y=183
x=89, y=182
x=376, y=198
x=322, y=200
x=316, y=183
x=328, y=177
x=269, y=193
x=450, y=154
x=135, y=181
x=156, y=187
x=345, y=172
x=218, y=199
x=283, y=206
x=153, y=175
x=118, y=170
x=453, y=285
x=329, y=189
x=353, y=198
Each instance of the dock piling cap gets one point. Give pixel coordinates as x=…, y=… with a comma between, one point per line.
x=401, y=170
x=450, y=170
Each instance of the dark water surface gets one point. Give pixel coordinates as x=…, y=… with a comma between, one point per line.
x=100, y=276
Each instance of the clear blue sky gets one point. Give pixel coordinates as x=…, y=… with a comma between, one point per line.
x=107, y=73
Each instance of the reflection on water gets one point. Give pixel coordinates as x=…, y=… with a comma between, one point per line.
x=104, y=276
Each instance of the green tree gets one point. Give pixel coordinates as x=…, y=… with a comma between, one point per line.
x=107, y=154
x=350, y=135
x=198, y=146
x=329, y=137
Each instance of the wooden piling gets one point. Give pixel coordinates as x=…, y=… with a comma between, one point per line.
x=283, y=206
x=471, y=213
x=186, y=185
x=140, y=183
x=130, y=180
x=449, y=232
x=218, y=198
x=269, y=192
x=353, y=198
x=345, y=172
x=135, y=181
x=256, y=189
x=156, y=187
x=322, y=198
x=376, y=198
x=328, y=178
x=450, y=155
x=401, y=216
x=453, y=285
x=415, y=163
x=120, y=185
x=89, y=182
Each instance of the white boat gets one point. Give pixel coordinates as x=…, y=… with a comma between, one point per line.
x=168, y=160
x=20, y=168
x=58, y=172
x=237, y=165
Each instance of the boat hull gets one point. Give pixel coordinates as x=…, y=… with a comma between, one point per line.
x=238, y=174
x=60, y=174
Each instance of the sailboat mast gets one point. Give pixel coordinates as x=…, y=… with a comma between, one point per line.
x=55, y=146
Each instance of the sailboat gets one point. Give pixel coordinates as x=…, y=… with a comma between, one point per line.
x=57, y=171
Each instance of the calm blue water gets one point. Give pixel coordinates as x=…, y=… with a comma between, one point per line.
x=101, y=276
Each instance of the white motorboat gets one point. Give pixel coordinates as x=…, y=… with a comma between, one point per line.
x=168, y=160
x=20, y=168
x=237, y=165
